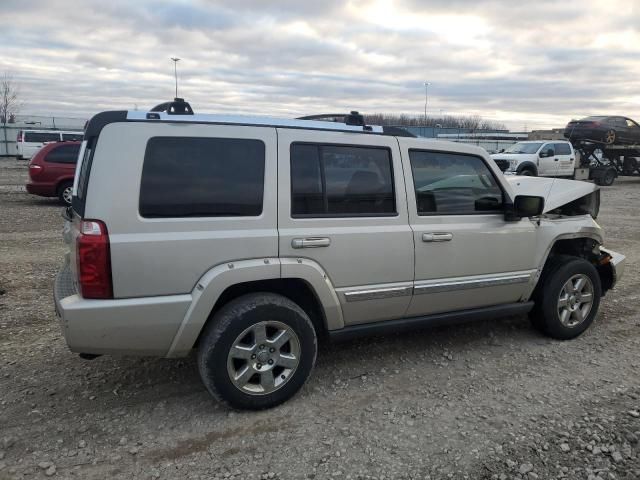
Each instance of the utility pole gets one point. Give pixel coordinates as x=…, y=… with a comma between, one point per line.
x=175, y=71
x=426, y=99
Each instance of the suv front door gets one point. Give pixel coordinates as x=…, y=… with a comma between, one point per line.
x=341, y=205
x=546, y=163
x=467, y=255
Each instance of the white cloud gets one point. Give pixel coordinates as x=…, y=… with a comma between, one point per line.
x=537, y=63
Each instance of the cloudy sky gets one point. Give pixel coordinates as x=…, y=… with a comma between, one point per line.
x=524, y=63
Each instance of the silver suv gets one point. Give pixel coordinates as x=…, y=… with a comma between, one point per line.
x=248, y=238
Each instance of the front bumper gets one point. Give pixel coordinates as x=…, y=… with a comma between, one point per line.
x=127, y=326
x=617, y=263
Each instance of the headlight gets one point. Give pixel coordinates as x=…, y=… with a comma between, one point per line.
x=513, y=165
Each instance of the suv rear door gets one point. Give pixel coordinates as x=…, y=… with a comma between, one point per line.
x=467, y=255
x=342, y=204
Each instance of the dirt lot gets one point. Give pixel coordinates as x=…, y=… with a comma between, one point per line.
x=492, y=400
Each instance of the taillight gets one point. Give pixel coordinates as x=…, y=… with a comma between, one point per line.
x=94, y=260
x=19, y=137
x=35, y=170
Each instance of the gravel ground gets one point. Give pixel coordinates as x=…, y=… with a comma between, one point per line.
x=490, y=400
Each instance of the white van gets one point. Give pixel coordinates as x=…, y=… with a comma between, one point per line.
x=30, y=141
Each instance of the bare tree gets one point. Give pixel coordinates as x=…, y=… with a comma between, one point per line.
x=471, y=122
x=9, y=97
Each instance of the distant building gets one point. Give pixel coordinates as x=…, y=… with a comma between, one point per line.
x=553, y=134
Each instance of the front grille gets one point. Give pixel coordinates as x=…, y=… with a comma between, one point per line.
x=502, y=164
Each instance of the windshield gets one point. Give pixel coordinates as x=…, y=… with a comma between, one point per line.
x=522, y=147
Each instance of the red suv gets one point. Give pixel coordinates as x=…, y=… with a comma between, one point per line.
x=51, y=171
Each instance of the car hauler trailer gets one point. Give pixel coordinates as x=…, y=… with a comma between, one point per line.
x=603, y=163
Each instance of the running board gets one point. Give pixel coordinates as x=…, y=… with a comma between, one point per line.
x=428, y=321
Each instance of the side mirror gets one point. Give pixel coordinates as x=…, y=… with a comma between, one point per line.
x=547, y=153
x=525, y=206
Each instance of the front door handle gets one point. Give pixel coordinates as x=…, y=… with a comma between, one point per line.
x=437, y=237
x=313, y=242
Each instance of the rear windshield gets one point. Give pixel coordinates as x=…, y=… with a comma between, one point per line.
x=63, y=154
x=592, y=119
x=41, y=137
x=202, y=177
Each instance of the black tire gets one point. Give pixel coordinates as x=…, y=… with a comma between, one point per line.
x=527, y=172
x=223, y=331
x=63, y=192
x=608, y=178
x=545, y=315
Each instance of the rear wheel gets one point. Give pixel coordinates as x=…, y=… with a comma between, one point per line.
x=257, y=351
x=568, y=299
x=610, y=137
x=65, y=193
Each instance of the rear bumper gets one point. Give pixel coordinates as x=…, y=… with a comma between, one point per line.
x=42, y=189
x=617, y=263
x=131, y=326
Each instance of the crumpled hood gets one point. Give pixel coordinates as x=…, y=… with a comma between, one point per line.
x=555, y=191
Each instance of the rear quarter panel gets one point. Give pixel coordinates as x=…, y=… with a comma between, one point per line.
x=164, y=256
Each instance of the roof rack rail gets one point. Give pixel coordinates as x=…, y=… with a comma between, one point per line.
x=177, y=107
x=352, y=118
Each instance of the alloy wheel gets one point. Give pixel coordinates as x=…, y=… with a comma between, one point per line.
x=263, y=357
x=575, y=300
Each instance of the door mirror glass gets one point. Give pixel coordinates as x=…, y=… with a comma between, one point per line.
x=527, y=206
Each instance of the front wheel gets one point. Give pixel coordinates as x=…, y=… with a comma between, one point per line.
x=568, y=298
x=257, y=351
x=527, y=172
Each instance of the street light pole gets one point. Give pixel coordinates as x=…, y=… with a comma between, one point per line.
x=426, y=99
x=175, y=71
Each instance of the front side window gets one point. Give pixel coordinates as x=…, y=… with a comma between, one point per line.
x=202, y=177
x=562, y=149
x=336, y=180
x=453, y=184
x=63, y=154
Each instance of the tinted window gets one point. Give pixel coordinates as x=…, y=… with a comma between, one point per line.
x=332, y=180
x=202, y=177
x=72, y=137
x=41, y=137
x=447, y=183
x=63, y=154
x=562, y=149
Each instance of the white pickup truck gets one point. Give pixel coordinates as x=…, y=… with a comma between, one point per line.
x=552, y=158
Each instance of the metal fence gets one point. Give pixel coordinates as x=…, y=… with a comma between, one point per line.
x=9, y=131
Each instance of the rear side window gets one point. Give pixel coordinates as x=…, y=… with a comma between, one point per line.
x=202, y=177
x=336, y=180
x=41, y=137
x=562, y=149
x=453, y=184
x=72, y=137
x=63, y=154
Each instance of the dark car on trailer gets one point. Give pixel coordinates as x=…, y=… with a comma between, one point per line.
x=608, y=130
x=52, y=169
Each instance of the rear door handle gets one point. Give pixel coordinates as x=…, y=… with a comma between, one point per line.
x=313, y=242
x=437, y=237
